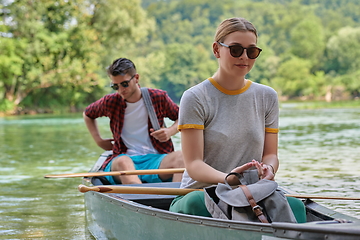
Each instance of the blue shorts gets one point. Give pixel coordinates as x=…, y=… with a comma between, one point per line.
x=149, y=161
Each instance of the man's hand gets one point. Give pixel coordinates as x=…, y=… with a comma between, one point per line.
x=105, y=144
x=162, y=135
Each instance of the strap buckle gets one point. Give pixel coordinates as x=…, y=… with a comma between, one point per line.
x=257, y=207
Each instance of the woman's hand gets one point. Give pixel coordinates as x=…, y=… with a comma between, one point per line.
x=265, y=171
x=233, y=180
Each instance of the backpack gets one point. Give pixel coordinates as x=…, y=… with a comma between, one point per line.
x=260, y=201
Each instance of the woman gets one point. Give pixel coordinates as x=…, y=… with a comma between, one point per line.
x=227, y=122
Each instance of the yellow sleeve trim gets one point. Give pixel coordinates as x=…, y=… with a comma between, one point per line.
x=190, y=126
x=271, y=130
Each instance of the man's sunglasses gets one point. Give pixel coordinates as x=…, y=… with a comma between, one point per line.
x=124, y=84
x=237, y=50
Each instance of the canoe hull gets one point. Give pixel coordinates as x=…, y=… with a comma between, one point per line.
x=129, y=216
x=140, y=216
x=129, y=220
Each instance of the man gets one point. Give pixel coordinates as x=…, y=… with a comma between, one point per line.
x=136, y=145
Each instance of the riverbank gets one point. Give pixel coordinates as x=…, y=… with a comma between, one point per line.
x=319, y=104
x=31, y=111
x=283, y=104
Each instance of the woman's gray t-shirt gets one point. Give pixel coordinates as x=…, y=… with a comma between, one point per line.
x=234, y=123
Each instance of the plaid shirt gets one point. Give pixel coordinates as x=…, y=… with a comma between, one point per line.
x=113, y=106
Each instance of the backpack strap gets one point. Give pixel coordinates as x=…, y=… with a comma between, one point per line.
x=150, y=108
x=254, y=206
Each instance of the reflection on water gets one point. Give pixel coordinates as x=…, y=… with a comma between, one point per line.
x=31, y=147
x=318, y=150
x=319, y=153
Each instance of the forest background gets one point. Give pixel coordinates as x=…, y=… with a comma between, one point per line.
x=54, y=54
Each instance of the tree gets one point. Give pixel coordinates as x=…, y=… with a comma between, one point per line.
x=307, y=39
x=53, y=45
x=61, y=48
x=293, y=76
x=185, y=65
x=343, y=51
x=121, y=26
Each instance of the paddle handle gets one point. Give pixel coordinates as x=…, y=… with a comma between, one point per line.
x=136, y=190
x=119, y=173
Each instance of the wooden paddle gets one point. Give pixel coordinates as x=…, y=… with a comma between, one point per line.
x=320, y=197
x=136, y=190
x=118, y=173
x=178, y=191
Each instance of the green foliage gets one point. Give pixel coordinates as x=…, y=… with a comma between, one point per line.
x=351, y=82
x=293, y=77
x=120, y=25
x=175, y=68
x=53, y=47
x=344, y=51
x=6, y=106
x=54, y=53
x=307, y=39
x=62, y=45
x=185, y=65
x=10, y=61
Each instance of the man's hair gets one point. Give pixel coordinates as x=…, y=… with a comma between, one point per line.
x=121, y=66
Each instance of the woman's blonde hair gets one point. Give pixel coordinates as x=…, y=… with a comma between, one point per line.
x=233, y=25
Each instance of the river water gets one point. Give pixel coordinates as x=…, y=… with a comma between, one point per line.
x=319, y=153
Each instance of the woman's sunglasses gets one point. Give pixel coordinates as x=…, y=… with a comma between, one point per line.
x=237, y=50
x=124, y=84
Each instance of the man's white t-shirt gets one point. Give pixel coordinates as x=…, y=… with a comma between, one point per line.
x=135, y=134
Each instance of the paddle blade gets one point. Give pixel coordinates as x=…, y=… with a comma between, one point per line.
x=321, y=197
